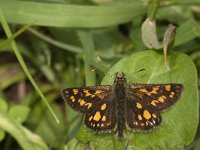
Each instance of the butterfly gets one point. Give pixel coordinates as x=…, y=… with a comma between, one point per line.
x=121, y=105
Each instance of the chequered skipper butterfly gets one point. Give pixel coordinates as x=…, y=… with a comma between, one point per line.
x=115, y=107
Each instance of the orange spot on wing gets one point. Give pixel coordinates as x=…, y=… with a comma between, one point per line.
x=88, y=105
x=98, y=92
x=146, y=114
x=87, y=93
x=143, y=90
x=155, y=89
x=75, y=91
x=138, y=105
x=82, y=102
x=90, y=118
x=161, y=99
x=72, y=98
x=168, y=87
x=97, y=116
x=103, y=118
x=172, y=95
x=153, y=102
x=139, y=117
x=103, y=107
x=154, y=115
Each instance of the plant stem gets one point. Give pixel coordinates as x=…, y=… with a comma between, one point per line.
x=88, y=51
x=153, y=8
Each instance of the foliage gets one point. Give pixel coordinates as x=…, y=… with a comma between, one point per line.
x=56, y=44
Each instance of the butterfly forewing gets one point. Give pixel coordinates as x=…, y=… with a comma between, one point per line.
x=159, y=96
x=85, y=99
x=97, y=104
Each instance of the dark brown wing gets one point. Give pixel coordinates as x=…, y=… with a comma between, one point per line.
x=85, y=99
x=146, y=101
x=140, y=117
x=159, y=96
x=97, y=104
x=102, y=118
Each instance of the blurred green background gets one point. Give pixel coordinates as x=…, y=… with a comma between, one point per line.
x=66, y=41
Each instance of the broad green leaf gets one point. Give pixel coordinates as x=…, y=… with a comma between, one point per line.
x=63, y=15
x=26, y=139
x=149, y=35
x=179, y=126
x=187, y=32
x=19, y=113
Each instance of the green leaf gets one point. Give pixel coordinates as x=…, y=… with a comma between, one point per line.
x=23, y=136
x=179, y=126
x=186, y=32
x=149, y=35
x=19, y=112
x=70, y=15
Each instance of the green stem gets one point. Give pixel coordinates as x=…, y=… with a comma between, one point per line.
x=153, y=8
x=88, y=51
x=64, y=46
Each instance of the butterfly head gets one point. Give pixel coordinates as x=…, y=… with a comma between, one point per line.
x=120, y=78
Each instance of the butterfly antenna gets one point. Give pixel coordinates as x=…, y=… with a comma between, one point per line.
x=96, y=70
x=139, y=71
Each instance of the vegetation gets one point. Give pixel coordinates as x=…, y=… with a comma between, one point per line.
x=46, y=46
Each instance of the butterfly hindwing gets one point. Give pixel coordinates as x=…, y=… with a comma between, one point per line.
x=102, y=118
x=85, y=99
x=159, y=96
x=140, y=117
x=146, y=101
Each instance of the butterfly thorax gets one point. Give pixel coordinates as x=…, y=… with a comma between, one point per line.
x=120, y=82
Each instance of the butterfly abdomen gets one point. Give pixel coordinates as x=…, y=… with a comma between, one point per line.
x=121, y=102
